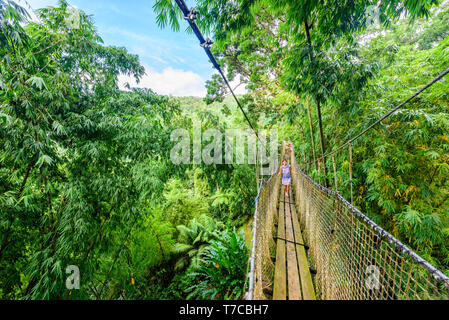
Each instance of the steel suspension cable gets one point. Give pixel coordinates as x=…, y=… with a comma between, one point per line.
x=416, y=94
x=191, y=15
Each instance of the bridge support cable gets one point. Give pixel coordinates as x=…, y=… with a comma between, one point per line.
x=356, y=259
x=191, y=15
x=350, y=172
x=402, y=104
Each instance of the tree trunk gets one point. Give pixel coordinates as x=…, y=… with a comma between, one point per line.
x=323, y=145
x=318, y=105
x=309, y=113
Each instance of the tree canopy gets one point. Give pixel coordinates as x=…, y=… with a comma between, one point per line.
x=85, y=173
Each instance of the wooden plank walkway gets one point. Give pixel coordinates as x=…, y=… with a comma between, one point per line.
x=292, y=278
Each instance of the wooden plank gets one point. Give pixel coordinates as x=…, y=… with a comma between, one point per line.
x=288, y=224
x=294, y=287
x=280, y=276
x=281, y=220
x=280, y=281
x=308, y=290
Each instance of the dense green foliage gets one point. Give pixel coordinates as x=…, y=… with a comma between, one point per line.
x=86, y=176
x=85, y=171
x=336, y=58
x=221, y=273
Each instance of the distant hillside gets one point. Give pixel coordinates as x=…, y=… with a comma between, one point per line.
x=194, y=106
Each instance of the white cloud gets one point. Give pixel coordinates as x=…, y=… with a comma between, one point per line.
x=170, y=81
x=175, y=82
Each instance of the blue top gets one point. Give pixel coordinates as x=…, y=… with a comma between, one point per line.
x=286, y=171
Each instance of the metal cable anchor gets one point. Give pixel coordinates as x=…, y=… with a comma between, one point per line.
x=192, y=15
x=207, y=44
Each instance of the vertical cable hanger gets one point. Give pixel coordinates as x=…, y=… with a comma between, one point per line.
x=350, y=171
x=191, y=15
x=319, y=171
x=335, y=173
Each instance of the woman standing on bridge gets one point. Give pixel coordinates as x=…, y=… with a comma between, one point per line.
x=286, y=176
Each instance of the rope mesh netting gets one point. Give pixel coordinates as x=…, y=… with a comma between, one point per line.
x=353, y=257
x=265, y=245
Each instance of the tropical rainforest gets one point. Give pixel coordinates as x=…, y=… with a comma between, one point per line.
x=86, y=178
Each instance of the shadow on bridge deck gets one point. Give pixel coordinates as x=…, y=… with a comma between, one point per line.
x=292, y=278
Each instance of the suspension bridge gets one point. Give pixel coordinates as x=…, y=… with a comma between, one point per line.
x=315, y=245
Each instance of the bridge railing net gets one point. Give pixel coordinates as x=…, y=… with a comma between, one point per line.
x=261, y=276
x=353, y=257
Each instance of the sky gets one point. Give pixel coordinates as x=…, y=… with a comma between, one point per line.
x=175, y=63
